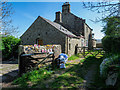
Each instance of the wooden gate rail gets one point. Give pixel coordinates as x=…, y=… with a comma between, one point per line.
x=26, y=59
x=83, y=50
x=49, y=56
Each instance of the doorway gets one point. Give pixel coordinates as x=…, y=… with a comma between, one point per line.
x=39, y=42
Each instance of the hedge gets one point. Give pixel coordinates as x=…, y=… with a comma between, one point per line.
x=111, y=44
x=9, y=46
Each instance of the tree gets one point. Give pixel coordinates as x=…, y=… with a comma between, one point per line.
x=111, y=41
x=107, y=9
x=112, y=26
x=9, y=46
x=111, y=17
x=5, y=21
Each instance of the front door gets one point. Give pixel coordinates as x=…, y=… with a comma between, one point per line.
x=40, y=42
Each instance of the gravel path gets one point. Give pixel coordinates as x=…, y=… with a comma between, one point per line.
x=89, y=77
x=8, y=72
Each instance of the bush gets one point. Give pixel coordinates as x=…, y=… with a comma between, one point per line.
x=104, y=66
x=112, y=25
x=111, y=44
x=9, y=46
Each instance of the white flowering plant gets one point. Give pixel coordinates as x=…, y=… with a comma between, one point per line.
x=107, y=62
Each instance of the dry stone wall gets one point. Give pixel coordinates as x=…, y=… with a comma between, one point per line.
x=31, y=55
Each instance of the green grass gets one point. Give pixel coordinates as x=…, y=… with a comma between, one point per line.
x=67, y=80
x=73, y=57
x=33, y=77
x=73, y=76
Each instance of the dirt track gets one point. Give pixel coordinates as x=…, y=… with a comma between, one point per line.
x=8, y=72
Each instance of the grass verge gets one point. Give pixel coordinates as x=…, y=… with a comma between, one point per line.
x=73, y=76
x=73, y=57
x=32, y=78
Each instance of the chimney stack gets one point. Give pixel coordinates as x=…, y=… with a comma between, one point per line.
x=66, y=7
x=58, y=17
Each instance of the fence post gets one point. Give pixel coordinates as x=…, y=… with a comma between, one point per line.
x=20, y=52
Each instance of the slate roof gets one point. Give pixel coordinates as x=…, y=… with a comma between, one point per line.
x=60, y=28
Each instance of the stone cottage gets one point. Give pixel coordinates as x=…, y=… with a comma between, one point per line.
x=67, y=30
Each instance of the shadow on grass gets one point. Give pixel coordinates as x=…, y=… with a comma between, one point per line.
x=31, y=79
x=73, y=77
x=10, y=76
x=66, y=80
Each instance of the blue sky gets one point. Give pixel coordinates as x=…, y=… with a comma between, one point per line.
x=26, y=13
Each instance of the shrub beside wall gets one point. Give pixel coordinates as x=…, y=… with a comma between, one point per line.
x=9, y=46
x=105, y=65
x=111, y=44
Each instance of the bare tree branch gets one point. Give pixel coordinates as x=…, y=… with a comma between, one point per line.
x=6, y=13
x=107, y=9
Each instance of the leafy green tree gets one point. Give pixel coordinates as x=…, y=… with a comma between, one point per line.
x=9, y=46
x=112, y=26
x=111, y=42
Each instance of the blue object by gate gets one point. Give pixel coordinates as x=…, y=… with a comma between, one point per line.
x=63, y=59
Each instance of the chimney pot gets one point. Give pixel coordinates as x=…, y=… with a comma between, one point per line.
x=58, y=17
x=66, y=7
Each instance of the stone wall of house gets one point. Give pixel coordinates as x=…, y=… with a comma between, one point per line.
x=88, y=35
x=78, y=27
x=94, y=43
x=42, y=30
x=73, y=23
x=70, y=21
x=71, y=43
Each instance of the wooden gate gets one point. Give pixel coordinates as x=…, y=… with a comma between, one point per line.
x=84, y=51
x=29, y=62
x=34, y=56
